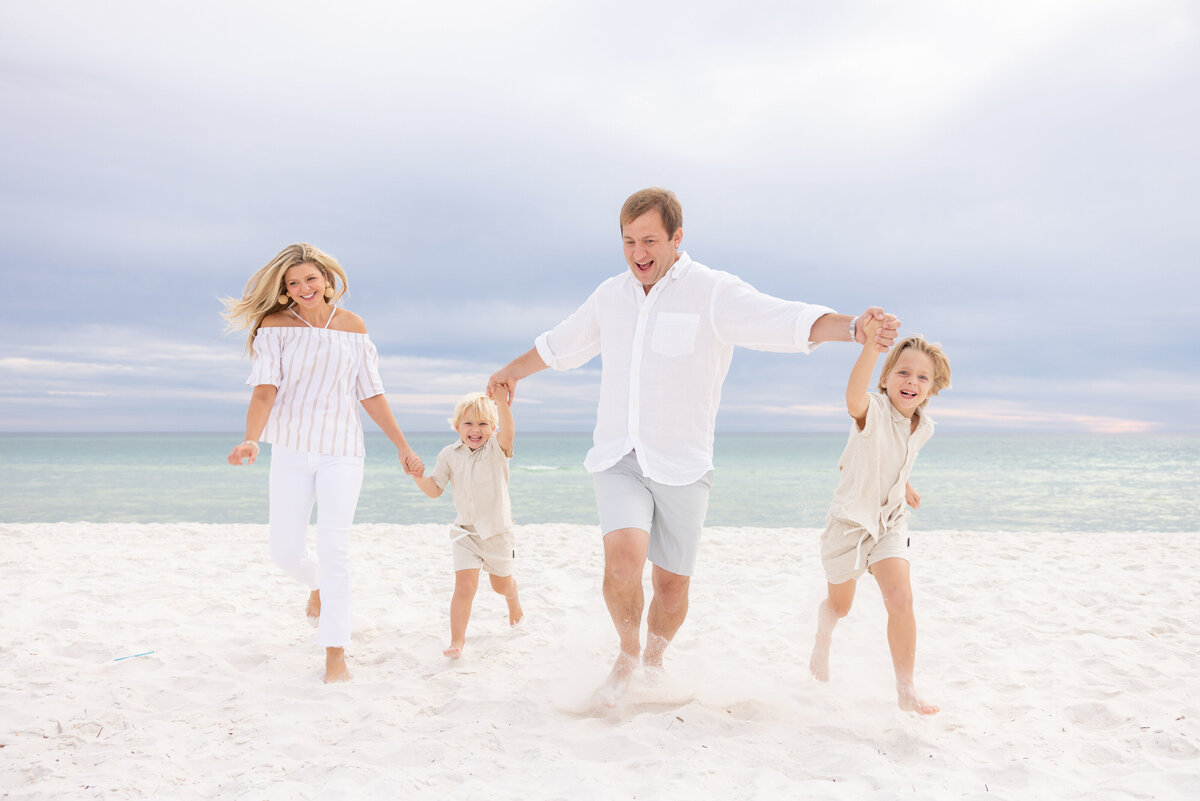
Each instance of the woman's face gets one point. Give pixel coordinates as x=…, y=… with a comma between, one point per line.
x=305, y=284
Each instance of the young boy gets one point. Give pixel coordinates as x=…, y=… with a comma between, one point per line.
x=863, y=532
x=477, y=467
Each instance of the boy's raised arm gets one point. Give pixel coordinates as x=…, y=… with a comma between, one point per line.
x=507, y=426
x=859, y=383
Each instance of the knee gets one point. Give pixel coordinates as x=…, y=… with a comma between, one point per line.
x=500, y=584
x=898, y=600
x=622, y=567
x=466, y=585
x=671, y=591
x=839, y=607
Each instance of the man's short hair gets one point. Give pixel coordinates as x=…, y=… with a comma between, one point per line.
x=655, y=197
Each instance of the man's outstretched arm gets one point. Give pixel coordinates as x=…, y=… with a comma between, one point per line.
x=524, y=365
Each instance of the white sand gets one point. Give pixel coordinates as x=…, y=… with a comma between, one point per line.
x=1067, y=667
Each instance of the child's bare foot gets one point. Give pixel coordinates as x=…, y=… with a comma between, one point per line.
x=516, y=614
x=818, y=663
x=617, y=684
x=908, y=700
x=313, y=609
x=335, y=665
x=454, y=651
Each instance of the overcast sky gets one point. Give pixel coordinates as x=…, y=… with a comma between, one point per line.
x=1017, y=180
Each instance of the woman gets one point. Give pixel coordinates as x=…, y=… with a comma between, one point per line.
x=311, y=361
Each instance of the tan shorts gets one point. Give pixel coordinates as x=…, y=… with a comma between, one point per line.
x=845, y=560
x=496, y=554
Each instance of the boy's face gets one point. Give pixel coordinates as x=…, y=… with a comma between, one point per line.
x=474, y=431
x=909, y=381
x=649, y=249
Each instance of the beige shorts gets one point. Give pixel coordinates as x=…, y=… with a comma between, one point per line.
x=845, y=560
x=496, y=554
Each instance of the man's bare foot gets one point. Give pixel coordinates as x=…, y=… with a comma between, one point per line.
x=454, y=651
x=652, y=655
x=313, y=609
x=617, y=684
x=335, y=665
x=818, y=663
x=908, y=700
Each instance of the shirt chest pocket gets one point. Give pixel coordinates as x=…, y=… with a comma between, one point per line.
x=675, y=333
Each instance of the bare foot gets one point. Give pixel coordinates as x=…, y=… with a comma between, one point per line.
x=454, y=651
x=335, y=665
x=515, y=613
x=818, y=663
x=313, y=610
x=652, y=656
x=908, y=700
x=617, y=684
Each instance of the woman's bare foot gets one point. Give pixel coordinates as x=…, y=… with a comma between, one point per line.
x=313, y=610
x=335, y=665
x=455, y=650
x=908, y=700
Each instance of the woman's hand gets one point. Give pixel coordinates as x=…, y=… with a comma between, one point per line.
x=246, y=450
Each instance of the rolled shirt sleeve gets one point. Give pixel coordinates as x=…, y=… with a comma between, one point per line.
x=576, y=340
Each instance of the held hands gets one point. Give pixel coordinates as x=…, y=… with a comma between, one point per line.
x=501, y=391
x=246, y=450
x=505, y=384
x=412, y=463
x=876, y=324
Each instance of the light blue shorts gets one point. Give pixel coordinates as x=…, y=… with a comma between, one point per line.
x=673, y=516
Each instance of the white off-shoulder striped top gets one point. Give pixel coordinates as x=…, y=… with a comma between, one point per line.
x=321, y=376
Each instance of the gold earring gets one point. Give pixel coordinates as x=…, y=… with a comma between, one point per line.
x=329, y=290
x=283, y=299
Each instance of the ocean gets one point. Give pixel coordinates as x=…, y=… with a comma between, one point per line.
x=968, y=482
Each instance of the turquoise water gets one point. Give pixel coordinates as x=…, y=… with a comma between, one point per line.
x=1005, y=483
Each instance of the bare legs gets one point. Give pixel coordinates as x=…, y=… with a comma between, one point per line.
x=625, y=553
x=893, y=578
x=466, y=582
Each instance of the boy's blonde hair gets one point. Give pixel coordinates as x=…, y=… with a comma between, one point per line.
x=941, y=365
x=478, y=405
x=261, y=296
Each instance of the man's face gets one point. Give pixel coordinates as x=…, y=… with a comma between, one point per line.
x=649, y=250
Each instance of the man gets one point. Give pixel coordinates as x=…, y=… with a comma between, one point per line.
x=665, y=332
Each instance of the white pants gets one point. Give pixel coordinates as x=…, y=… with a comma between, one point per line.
x=297, y=480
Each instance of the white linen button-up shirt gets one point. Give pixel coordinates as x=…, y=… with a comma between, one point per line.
x=664, y=356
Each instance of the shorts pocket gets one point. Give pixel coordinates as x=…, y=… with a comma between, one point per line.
x=675, y=333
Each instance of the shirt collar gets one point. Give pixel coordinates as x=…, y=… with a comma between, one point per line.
x=923, y=418
x=676, y=270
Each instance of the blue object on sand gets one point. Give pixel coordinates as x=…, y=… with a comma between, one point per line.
x=131, y=656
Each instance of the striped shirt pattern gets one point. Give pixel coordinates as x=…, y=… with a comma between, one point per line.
x=321, y=376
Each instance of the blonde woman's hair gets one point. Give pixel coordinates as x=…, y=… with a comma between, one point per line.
x=941, y=365
x=478, y=405
x=261, y=296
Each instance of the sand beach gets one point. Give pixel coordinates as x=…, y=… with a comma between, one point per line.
x=173, y=661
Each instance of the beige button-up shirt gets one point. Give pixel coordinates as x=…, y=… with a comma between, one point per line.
x=478, y=480
x=876, y=465
x=664, y=357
